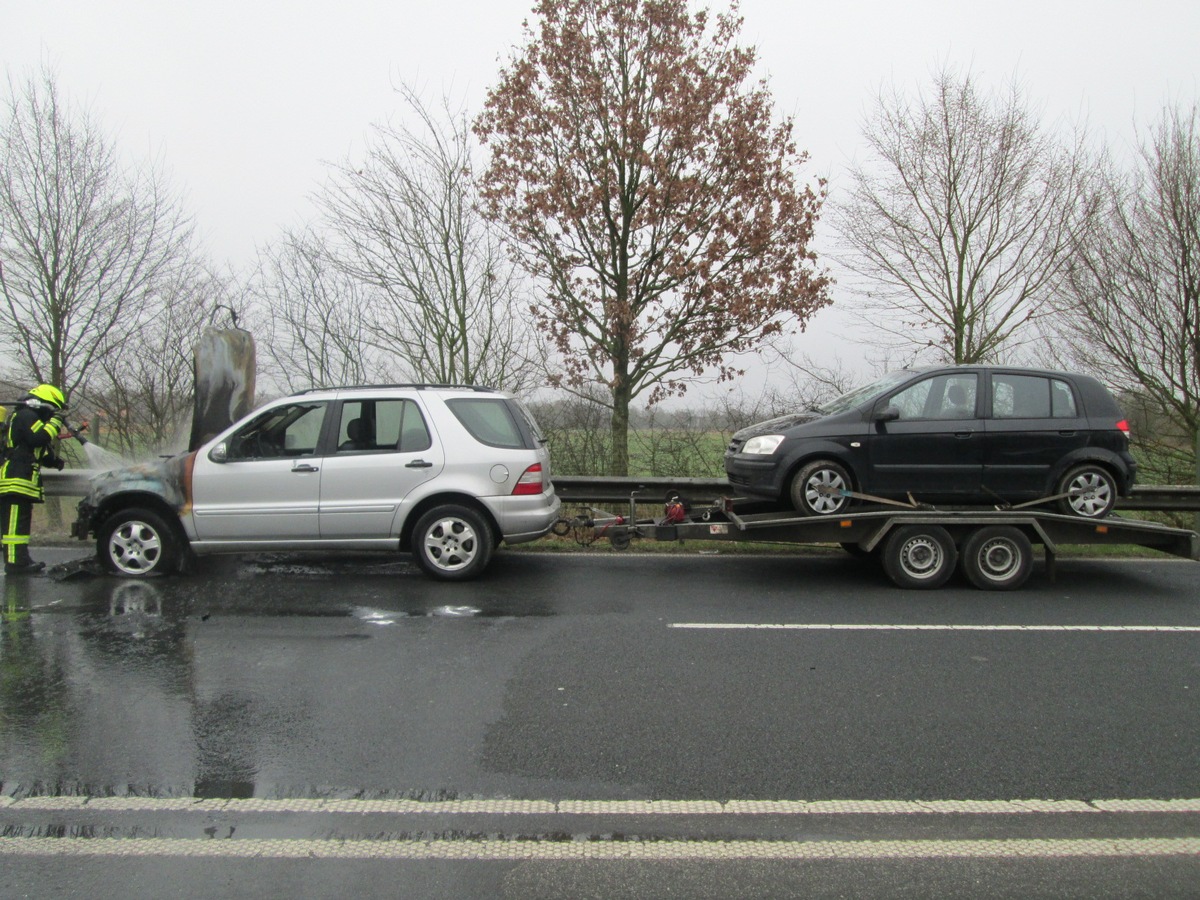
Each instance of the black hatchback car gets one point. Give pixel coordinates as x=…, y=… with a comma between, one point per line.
x=953, y=435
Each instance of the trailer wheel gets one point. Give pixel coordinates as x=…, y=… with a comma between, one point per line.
x=817, y=489
x=997, y=558
x=1093, y=492
x=919, y=556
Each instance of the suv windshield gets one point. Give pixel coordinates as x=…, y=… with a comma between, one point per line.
x=866, y=392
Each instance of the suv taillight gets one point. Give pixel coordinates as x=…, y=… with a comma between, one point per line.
x=1123, y=425
x=530, y=482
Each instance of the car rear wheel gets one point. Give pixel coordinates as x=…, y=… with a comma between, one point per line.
x=997, y=558
x=819, y=489
x=1091, y=492
x=137, y=542
x=919, y=556
x=452, y=543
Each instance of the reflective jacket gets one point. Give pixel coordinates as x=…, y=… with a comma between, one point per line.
x=30, y=443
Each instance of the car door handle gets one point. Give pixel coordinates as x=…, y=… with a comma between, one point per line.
x=962, y=435
x=305, y=467
x=1067, y=433
x=418, y=464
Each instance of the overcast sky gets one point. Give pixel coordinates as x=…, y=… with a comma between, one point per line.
x=243, y=100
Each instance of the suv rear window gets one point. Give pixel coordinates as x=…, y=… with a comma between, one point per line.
x=489, y=421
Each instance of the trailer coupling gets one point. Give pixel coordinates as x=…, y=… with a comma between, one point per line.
x=591, y=524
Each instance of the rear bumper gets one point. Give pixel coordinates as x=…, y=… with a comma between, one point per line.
x=523, y=519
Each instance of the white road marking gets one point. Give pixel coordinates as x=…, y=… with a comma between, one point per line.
x=589, y=846
x=753, y=626
x=600, y=849
x=592, y=807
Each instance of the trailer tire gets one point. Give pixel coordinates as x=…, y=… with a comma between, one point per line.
x=1096, y=492
x=919, y=556
x=997, y=558
x=810, y=488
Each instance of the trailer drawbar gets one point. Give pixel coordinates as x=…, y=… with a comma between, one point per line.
x=918, y=545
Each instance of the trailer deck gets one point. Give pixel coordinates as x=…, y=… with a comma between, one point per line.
x=919, y=547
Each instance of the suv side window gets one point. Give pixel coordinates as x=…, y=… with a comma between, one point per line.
x=382, y=426
x=285, y=431
x=489, y=421
x=1032, y=397
x=950, y=396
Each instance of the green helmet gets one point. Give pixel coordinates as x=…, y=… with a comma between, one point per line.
x=48, y=393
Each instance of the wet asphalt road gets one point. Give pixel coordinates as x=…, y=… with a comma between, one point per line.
x=261, y=725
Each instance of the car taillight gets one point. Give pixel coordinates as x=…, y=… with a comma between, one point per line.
x=1123, y=425
x=530, y=482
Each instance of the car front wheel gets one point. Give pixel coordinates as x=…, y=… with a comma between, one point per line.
x=452, y=543
x=137, y=543
x=821, y=488
x=1091, y=492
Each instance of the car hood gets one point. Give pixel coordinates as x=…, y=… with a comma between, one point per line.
x=776, y=425
x=169, y=478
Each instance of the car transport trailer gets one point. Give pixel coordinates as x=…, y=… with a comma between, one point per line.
x=918, y=546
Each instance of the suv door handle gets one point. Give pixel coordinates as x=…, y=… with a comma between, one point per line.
x=418, y=464
x=305, y=467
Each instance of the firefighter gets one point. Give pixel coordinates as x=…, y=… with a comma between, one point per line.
x=32, y=431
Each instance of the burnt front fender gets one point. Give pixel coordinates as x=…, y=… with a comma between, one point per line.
x=167, y=481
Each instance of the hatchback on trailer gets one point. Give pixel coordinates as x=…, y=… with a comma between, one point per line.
x=954, y=435
x=445, y=472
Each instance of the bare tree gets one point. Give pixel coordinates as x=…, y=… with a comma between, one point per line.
x=961, y=221
x=444, y=299
x=653, y=195
x=314, y=316
x=1131, y=305
x=84, y=241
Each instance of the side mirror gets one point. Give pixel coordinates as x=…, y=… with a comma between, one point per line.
x=219, y=453
x=887, y=414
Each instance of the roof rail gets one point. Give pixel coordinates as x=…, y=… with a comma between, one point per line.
x=414, y=386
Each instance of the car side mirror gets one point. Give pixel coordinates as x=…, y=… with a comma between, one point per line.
x=887, y=414
x=219, y=453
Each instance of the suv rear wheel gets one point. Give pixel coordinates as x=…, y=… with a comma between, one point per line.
x=452, y=543
x=137, y=542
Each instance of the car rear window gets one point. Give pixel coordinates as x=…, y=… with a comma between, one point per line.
x=1031, y=397
x=490, y=421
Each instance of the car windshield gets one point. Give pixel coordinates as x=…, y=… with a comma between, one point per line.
x=866, y=392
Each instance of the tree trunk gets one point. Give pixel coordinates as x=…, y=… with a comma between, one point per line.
x=619, y=457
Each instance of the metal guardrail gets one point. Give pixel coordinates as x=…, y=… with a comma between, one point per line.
x=617, y=489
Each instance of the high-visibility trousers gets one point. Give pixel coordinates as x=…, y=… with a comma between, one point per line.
x=16, y=516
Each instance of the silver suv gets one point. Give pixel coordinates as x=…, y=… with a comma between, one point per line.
x=445, y=472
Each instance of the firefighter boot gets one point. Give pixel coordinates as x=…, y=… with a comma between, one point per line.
x=24, y=564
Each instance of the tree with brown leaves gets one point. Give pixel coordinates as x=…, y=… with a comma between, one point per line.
x=641, y=175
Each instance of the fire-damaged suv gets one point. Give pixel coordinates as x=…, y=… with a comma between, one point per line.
x=445, y=472
x=956, y=434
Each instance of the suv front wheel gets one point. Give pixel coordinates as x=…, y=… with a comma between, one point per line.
x=453, y=543
x=137, y=542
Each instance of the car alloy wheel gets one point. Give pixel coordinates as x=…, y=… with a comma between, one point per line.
x=819, y=488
